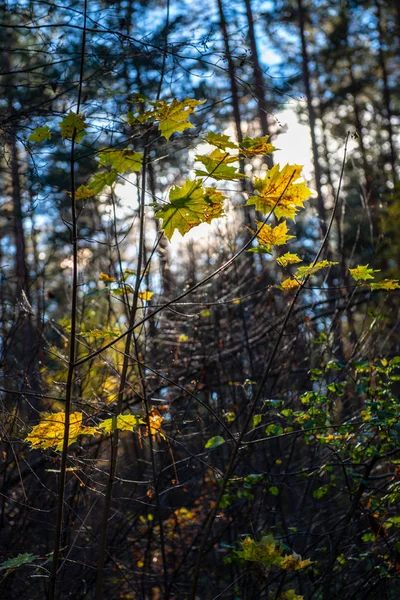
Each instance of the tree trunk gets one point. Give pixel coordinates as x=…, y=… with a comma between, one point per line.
x=311, y=117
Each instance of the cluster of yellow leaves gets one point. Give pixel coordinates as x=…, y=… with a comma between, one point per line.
x=363, y=273
x=146, y=295
x=279, y=192
x=156, y=421
x=49, y=433
x=268, y=552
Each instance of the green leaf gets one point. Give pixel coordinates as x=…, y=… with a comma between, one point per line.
x=40, y=134
x=274, y=490
x=189, y=206
x=121, y=160
x=122, y=422
x=18, y=561
x=311, y=269
x=254, y=146
x=386, y=284
x=362, y=273
x=73, y=124
x=217, y=166
x=320, y=492
x=214, y=442
x=99, y=181
x=173, y=117
x=257, y=420
x=221, y=141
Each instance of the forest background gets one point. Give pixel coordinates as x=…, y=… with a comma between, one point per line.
x=199, y=375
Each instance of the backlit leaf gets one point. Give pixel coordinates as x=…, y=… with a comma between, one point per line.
x=269, y=236
x=189, y=206
x=173, y=117
x=215, y=441
x=121, y=161
x=255, y=146
x=73, y=124
x=40, y=134
x=146, y=295
x=217, y=166
x=121, y=422
x=50, y=430
x=362, y=273
x=311, y=269
x=17, y=561
x=99, y=181
x=278, y=191
x=386, y=284
x=288, y=259
x=220, y=141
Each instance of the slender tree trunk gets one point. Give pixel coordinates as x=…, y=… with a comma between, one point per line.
x=258, y=78
x=386, y=92
x=311, y=117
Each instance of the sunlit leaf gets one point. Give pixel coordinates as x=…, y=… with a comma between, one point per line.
x=50, y=430
x=289, y=284
x=121, y=161
x=146, y=295
x=288, y=259
x=269, y=236
x=221, y=141
x=362, y=273
x=173, y=116
x=121, y=422
x=278, y=191
x=217, y=166
x=215, y=441
x=386, y=284
x=73, y=124
x=255, y=146
x=40, y=134
x=311, y=269
x=83, y=192
x=189, y=206
x=100, y=180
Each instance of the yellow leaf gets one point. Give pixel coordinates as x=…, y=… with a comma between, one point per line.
x=50, y=430
x=386, y=284
x=289, y=284
x=83, y=192
x=106, y=278
x=253, y=146
x=122, y=422
x=146, y=295
x=155, y=422
x=173, y=117
x=288, y=259
x=269, y=236
x=362, y=273
x=311, y=269
x=278, y=191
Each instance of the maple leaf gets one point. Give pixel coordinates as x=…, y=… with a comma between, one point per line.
x=217, y=166
x=294, y=562
x=269, y=236
x=173, y=117
x=221, y=141
x=254, y=146
x=311, y=269
x=362, y=273
x=146, y=295
x=73, y=124
x=189, y=206
x=289, y=284
x=99, y=181
x=121, y=161
x=106, y=278
x=386, y=284
x=83, y=192
x=288, y=259
x=122, y=422
x=278, y=191
x=50, y=430
x=155, y=423
x=40, y=134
